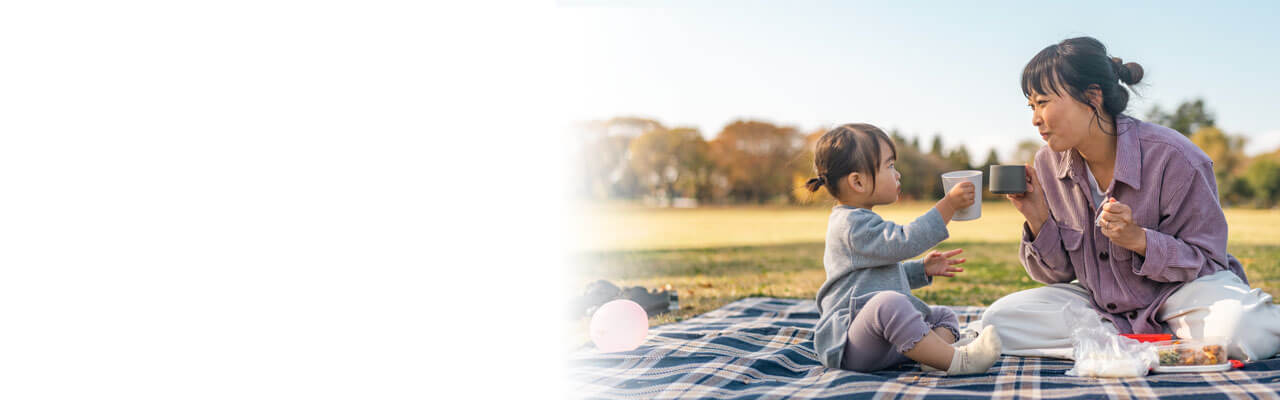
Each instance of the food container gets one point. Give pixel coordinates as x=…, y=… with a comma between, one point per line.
x=1193, y=355
x=1148, y=337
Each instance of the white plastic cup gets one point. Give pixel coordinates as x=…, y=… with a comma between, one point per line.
x=950, y=179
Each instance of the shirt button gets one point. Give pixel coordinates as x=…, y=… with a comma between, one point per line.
x=1111, y=306
x=1103, y=256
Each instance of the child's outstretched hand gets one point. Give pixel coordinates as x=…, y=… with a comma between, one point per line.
x=941, y=264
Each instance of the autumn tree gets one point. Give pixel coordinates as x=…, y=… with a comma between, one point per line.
x=958, y=158
x=1263, y=176
x=1227, y=153
x=798, y=189
x=1189, y=117
x=992, y=159
x=757, y=159
x=1025, y=153
x=936, y=149
x=921, y=172
x=604, y=155
x=668, y=160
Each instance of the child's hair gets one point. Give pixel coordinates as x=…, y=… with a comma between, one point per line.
x=1075, y=65
x=847, y=149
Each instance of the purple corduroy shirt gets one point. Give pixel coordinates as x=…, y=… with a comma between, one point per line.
x=1169, y=183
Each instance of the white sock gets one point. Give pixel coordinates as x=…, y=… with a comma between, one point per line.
x=964, y=339
x=977, y=356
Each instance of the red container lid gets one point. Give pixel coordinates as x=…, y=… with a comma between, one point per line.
x=1148, y=337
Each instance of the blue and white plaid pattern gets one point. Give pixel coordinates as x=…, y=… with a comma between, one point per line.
x=763, y=348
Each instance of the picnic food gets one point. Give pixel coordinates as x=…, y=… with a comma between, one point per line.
x=1207, y=351
x=1205, y=355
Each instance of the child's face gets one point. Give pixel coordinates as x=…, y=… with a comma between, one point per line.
x=888, y=180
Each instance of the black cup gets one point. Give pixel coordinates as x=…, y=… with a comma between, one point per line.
x=1008, y=179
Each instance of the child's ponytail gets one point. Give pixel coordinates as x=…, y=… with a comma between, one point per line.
x=815, y=183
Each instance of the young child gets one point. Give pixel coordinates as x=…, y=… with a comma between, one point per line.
x=869, y=319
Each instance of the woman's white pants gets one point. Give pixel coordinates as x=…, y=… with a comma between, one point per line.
x=1032, y=322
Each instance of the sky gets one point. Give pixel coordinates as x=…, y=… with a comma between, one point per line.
x=943, y=68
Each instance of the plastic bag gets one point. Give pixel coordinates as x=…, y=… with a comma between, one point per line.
x=1100, y=351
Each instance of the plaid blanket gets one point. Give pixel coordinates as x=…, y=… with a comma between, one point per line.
x=763, y=348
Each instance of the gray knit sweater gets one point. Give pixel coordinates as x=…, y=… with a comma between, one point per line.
x=865, y=255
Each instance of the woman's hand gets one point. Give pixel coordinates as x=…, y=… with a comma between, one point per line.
x=941, y=264
x=1031, y=204
x=1117, y=224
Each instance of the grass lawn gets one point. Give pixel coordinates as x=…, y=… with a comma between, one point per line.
x=623, y=227
x=714, y=256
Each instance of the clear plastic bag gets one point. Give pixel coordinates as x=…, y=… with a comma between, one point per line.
x=1099, y=350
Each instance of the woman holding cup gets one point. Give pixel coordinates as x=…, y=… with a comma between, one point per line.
x=1123, y=215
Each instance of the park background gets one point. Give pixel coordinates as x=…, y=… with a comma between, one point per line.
x=692, y=127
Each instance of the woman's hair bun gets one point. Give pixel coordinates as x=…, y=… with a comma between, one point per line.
x=1129, y=73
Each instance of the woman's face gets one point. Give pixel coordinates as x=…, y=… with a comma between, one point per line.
x=1063, y=121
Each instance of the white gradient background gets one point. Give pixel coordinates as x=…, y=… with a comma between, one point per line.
x=276, y=199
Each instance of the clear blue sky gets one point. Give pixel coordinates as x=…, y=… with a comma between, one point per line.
x=942, y=68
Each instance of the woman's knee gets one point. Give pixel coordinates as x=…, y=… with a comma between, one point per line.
x=1042, y=299
x=1000, y=308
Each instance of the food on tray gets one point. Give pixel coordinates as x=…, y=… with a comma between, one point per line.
x=1191, y=352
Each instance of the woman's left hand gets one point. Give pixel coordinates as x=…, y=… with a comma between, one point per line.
x=1117, y=224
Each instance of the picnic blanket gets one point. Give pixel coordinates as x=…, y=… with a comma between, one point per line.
x=762, y=348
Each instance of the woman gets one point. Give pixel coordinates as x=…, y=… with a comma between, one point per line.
x=1123, y=215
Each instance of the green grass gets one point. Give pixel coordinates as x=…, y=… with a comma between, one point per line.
x=714, y=256
x=624, y=227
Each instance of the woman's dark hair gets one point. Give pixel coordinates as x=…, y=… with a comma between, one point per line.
x=1076, y=65
x=847, y=149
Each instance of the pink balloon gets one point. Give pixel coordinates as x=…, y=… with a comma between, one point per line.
x=619, y=325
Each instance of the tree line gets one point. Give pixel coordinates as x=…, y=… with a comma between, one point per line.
x=758, y=162
x=1242, y=180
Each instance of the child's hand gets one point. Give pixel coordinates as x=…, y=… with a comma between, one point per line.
x=941, y=264
x=961, y=195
